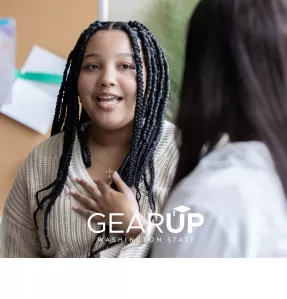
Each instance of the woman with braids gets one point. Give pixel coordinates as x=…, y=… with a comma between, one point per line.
x=111, y=151
x=234, y=85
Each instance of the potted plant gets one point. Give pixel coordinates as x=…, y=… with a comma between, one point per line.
x=167, y=19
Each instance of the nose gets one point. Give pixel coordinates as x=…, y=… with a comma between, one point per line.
x=108, y=77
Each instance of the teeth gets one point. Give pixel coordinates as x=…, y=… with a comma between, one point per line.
x=109, y=101
x=107, y=97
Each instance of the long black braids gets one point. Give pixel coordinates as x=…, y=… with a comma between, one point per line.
x=150, y=109
x=153, y=125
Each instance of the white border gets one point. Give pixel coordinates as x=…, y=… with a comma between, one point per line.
x=142, y=278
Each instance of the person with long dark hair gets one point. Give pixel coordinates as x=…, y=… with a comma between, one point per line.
x=231, y=180
x=111, y=151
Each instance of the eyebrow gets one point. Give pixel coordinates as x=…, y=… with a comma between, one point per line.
x=119, y=55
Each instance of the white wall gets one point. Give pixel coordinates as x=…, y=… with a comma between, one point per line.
x=127, y=10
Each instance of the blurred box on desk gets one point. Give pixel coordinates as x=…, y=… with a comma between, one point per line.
x=7, y=58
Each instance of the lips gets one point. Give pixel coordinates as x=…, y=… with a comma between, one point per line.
x=108, y=102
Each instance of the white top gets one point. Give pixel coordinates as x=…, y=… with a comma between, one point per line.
x=240, y=196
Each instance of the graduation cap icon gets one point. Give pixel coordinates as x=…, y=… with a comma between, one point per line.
x=181, y=209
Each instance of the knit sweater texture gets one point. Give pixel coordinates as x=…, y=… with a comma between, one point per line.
x=68, y=232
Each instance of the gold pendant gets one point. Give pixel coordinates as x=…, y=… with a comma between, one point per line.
x=109, y=174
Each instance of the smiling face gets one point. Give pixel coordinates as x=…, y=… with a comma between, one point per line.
x=107, y=82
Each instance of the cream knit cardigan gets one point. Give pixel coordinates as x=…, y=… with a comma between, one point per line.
x=68, y=232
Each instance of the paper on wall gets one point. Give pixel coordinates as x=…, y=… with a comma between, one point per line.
x=33, y=102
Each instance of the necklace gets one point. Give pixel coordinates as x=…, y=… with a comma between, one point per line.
x=109, y=171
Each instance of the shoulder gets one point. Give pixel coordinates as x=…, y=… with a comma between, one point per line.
x=233, y=169
x=231, y=183
x=237, y=191
x=165, y=161
x=169, y=131
x=51, y=146
x=167, y=153
x=167, y=144
x=45, y=154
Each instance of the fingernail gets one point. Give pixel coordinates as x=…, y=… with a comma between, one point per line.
x=116, y=175
x=78, y=180
x=73, y=192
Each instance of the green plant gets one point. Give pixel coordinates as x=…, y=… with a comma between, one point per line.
x=167, y=19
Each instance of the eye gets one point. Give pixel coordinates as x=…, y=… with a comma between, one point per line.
x=126, y=66
x=91, y=67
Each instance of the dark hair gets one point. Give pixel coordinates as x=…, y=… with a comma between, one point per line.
x=234, y=80
x=148, y=121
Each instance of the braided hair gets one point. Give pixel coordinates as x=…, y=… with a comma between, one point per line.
x=148, y=120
